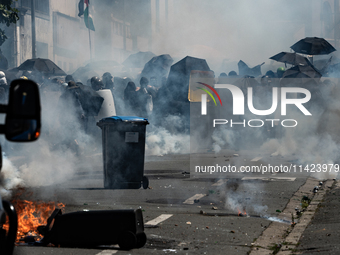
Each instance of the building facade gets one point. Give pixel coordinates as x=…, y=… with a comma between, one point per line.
x=121, y=27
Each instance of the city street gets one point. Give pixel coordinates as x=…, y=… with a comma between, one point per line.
x=185, y=215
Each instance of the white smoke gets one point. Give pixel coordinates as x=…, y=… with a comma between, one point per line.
x=159, y=141
x=9, y=177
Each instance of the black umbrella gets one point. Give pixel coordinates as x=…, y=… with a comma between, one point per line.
x=157, y=67
x=244, y=69
x=45, y=66
x=302, y=75
x=291, y=58
x=313, y=46
x=139, y=59
x=302, y=72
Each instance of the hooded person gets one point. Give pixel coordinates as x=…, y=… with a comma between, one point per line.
x=130, y=99
x=108, y=81
x=144, y=98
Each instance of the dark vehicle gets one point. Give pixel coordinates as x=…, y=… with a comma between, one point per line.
x=22, y=124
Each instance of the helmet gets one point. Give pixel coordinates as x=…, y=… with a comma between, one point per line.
x=96, y=83
x=107, y=75
x=280, y=72
x=95, y=79
x=265, y=80
x=232, y=73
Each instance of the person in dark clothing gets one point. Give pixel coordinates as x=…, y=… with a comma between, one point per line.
x=144, y=98
x=68, y=78
x=71, y=116
x=130, y=99
x=108, y=81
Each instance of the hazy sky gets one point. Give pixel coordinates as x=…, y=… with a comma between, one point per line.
x=236, y=29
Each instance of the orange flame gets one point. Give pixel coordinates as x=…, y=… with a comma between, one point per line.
x=239, y=212
x=31, y=215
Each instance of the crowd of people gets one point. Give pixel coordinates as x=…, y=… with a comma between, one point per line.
x=142, y=97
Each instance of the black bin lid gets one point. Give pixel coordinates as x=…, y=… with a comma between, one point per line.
x=117, y=119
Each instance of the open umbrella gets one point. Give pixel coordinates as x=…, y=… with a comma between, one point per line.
x=45, y=66
x=139, y=59
x=244, y=69
x=157, y=67
x=313, y=46
x=302, y=72
x=291, y=58
x=302, y=75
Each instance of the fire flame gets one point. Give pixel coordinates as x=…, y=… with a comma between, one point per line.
x=240, y=213
x=32, y=214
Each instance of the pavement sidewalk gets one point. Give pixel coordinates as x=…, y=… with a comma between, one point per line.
x=322, y=235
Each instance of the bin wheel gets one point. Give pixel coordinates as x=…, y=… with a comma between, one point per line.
x=145, y=182
x=127, y=240
x=141, y=240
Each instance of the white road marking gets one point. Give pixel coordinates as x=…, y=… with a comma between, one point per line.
x=270, y=178
x=190, y=201
x=256, y=159
x=159, y=219
x=107, y=252
x=276, y=153
x=220, y=182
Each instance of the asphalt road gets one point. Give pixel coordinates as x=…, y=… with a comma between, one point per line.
x=177, y=201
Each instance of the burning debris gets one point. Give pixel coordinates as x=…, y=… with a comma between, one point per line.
x=31, y=215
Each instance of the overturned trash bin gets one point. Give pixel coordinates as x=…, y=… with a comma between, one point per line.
x=93, y=228
x=123, y=139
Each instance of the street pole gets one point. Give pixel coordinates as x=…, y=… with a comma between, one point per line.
x=336, y=22
x=90, y=45
x=33, y=29
x=124, y=27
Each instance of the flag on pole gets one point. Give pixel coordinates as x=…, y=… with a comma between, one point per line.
x=81, y=8
x=87, y=17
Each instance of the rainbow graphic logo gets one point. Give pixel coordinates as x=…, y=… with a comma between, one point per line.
x=209, y=93
x=204, y=97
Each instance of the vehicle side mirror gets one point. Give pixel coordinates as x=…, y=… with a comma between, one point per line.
x=23, y=114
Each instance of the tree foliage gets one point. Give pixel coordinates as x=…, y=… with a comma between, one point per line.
x=8, y=15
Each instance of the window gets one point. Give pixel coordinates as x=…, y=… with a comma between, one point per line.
x=42, y=6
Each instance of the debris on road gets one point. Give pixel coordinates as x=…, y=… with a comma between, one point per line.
x=188, y=223
x=236, y=155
